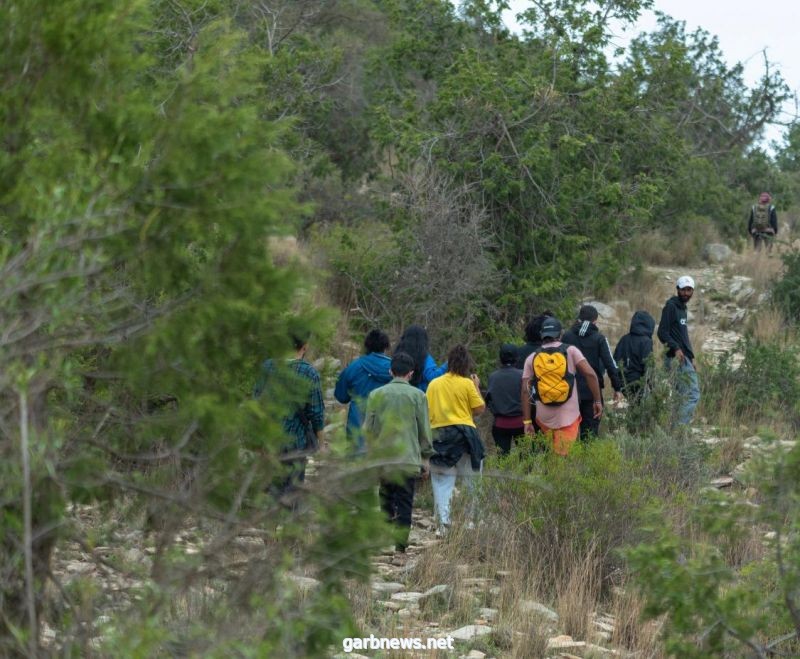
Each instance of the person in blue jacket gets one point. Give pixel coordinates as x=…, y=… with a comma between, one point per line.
x=362, y=376
x=414, y=342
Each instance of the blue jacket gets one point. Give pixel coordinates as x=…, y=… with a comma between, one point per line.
x=355, y=383
x=430, y=372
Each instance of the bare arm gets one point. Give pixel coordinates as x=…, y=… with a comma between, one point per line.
x=525, y=402
x=480, y=409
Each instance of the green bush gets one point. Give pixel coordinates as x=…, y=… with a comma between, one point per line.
x=786, y=291
x=765, y=386
x=728, y=587
x=590, y=501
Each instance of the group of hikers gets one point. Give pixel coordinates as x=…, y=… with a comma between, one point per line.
x=421, y=414
x=424, y=413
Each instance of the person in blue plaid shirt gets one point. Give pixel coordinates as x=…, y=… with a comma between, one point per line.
x=304, y=425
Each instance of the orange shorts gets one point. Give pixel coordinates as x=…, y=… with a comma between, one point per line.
x=562, y=438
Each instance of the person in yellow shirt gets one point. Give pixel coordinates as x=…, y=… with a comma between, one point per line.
x=453, y=400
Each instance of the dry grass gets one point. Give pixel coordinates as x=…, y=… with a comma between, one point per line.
x=762, y=267
x=630, y=631
x=529, y=641
x=286, y=250
x=683, y=249
x=578, y=594
x=722, y=407
x=727, y=454
x=769, y=325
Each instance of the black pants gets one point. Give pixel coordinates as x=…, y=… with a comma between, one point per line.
x=503, y=436
x=589, y=425
x=397, y=500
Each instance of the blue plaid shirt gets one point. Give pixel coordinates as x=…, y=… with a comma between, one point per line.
x=310, y=405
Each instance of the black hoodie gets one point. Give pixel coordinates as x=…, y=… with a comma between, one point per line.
x=594, y=346
x=673, y=330
x=635, y=347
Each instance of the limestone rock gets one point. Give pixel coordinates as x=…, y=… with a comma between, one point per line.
x=411, y=596
x=741, y=288
x=437, y=596
x=387, y=587
x=476, y=581
x=564, y=643
x=606, y=311
x=490, y=615
x=535, y=608
x=603, y=626
x=468, y=632
x=475, y=654
x=717, y=253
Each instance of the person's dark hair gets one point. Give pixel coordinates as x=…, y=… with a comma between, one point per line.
x=299, y=338
x=459, y=361
x=414, y=341
x=376, y=341
x=402, y=364
x=588, y=312
x=508, y=354
x=534, y=326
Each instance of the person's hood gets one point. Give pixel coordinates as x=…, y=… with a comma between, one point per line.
x=584, y=328
x=642, y=324
x=376, y=364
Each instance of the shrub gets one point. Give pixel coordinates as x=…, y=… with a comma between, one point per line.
x=786, y=291
x=765, y=387
x=592, y=501
x=674, y=460
x=721, y=601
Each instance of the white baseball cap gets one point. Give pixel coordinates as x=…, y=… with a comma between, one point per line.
x=685, y=282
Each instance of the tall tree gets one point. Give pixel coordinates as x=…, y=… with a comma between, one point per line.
x=139, y=190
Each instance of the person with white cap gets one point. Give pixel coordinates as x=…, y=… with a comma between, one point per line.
x=673, y=332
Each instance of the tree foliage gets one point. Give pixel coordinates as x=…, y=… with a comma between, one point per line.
x=141, y=185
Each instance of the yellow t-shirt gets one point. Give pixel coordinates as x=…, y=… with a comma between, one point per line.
x=451, y=399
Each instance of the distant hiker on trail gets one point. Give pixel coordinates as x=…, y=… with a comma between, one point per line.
x=763, y=223
x=362, y=376
x=453, y=400
x=397, y=420
x=673, y=332
x=299, y=381
x=533, y=340
x=632, y=353
x=585, y=336
x=502, y=398
x=414, y=341
x=549, y=376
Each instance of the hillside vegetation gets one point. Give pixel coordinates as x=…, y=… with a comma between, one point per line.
x=184, y=183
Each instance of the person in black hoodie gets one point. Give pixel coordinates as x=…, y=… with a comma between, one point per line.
x=502, y=398
x=673, y=332
x=632, y=353
x=585, y=336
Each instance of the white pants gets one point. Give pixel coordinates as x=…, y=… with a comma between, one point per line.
x=443, y=481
